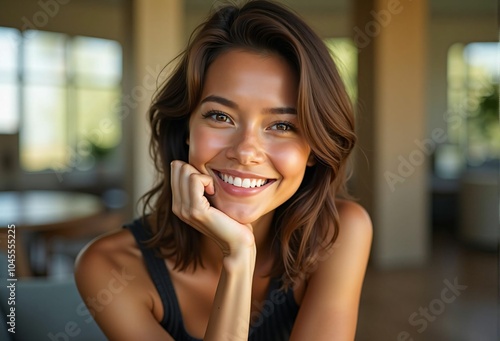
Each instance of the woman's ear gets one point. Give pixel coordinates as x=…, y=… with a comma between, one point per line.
x=311, y=161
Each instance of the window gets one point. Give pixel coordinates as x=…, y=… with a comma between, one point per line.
x=473, y=79
x=345, y=54
x=9, y=87
x=62, y=95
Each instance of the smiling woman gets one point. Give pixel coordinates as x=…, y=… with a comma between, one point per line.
x=241, y=134
x=247, y=235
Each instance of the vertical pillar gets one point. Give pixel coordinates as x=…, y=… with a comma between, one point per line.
x=390, y=171
x=158, y=37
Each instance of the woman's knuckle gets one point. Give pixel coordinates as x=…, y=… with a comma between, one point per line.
x=185, y=167
x=193, y=177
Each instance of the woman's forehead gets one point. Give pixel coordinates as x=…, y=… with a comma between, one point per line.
x=246, y=74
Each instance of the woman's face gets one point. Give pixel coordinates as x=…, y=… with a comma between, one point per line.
x=245, y=134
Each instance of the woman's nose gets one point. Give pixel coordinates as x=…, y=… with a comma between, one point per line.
x=247, y=148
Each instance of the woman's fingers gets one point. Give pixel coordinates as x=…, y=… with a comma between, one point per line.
x=190, y=204
x=188, y=191
x=197, y=184
x=175, y=185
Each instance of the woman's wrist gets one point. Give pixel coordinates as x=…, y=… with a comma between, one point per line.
x=240, y=259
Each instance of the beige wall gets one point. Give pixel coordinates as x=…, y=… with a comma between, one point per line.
x=104, y=19
x=158, y=36
x=391, y=115
x=327, y=24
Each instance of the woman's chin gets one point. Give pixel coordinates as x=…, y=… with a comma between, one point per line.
x=241, y=217
x=243, y=214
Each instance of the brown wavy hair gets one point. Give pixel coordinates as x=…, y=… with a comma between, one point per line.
x=300, y=226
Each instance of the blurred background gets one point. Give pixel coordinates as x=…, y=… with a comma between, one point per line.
x=76, y=80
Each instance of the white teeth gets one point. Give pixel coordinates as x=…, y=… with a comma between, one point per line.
x=239, y=182
x=246, y=183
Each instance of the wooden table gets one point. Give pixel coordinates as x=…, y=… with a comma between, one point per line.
x=42, y=211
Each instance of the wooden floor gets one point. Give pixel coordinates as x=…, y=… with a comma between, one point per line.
x=418, y=304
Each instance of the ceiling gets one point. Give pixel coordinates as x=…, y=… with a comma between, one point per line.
x=441, y=7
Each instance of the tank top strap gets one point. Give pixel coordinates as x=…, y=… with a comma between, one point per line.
x=172, y=317
x=274, y=322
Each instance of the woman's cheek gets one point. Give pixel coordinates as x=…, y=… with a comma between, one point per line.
x=290, y=161
x=203, y=146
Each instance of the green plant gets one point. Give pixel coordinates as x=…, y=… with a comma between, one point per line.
x=488, y=111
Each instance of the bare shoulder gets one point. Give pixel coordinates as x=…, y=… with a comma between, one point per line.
x=348, y=255
x=109, y=250
x=329, y=308
x=114, y=283
x=354, y=221
x=352, y=213
x=354, y=239
x=107, y=259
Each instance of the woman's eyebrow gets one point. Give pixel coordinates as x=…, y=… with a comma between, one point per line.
x=281, y=110
x=228, y=103
x=221, y=100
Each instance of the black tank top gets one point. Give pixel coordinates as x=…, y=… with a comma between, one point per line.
x=274, y=322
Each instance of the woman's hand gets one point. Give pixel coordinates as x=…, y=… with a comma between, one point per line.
x=191, y=205
x=233, y=296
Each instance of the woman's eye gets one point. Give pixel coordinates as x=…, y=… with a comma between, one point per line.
x=283, y=126
x=217, y=116
x=221, y=117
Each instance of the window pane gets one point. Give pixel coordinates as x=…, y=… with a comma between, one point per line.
x=345, y=54
x=9, y=53
x=485, y=57
x=456, y=95
x=483, y=129
x=9, y=114
x=97, y=61
x=473, y=87
x=43, y=137
x=44, y=60
x=98, y=120
x=9, y=47
x=71, y=92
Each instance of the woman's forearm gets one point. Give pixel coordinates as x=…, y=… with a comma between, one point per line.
x=230, y=316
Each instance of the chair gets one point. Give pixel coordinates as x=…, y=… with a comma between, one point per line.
x=479, y=208
x=62, y=245
x=48, y=309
